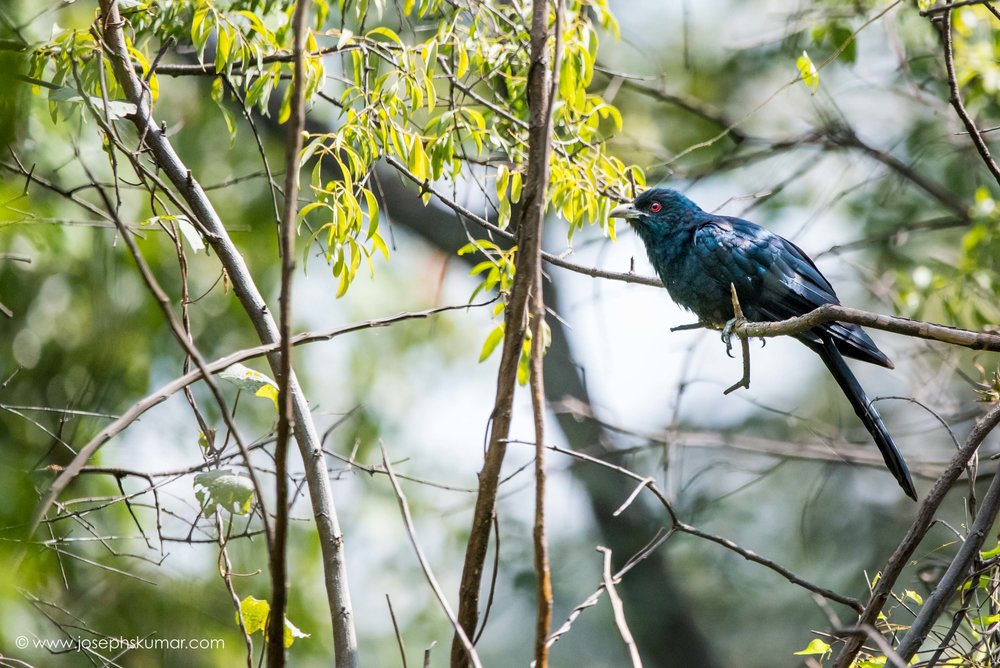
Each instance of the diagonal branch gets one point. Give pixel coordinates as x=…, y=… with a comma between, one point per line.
x=925, y=518
x=957, y=571
x=619, y=609
x=955, y=97
x=404, y=508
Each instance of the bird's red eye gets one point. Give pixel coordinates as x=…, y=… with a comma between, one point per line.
x=655, y=207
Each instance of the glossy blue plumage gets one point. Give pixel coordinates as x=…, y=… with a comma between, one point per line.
x=698, y=255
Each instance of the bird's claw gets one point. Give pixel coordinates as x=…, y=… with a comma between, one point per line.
x=727, y=336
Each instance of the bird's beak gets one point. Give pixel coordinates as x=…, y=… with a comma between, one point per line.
x=626, y=211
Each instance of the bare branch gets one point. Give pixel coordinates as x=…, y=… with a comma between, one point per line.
x=73, y=469
x=682, y=527
x=935, y=604
x=286, y=418
x=404, y=507
x=925, y=517
x=955, y=98
x=619, y=609
x=835, y=312
x=946, y=9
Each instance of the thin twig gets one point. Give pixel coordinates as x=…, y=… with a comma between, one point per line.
x=404, y=508
x=682, y=527
x=661, y=537
x=395, y=628
x=73, y=469
x=163, y=301
x=619, y=609
x=946, y=9
x=955, y=97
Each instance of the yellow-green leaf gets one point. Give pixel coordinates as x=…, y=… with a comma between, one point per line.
x=494, y=339
x=247, y=379
x=385, y=32
x=808, y=71
x=254, y=613
x=815, y=647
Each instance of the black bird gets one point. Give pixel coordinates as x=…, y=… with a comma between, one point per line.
x=698, y=255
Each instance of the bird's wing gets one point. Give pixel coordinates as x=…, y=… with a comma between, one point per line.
x=775, y=274
x=775, y=280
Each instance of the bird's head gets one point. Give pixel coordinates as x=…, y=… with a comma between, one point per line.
x=656, y=207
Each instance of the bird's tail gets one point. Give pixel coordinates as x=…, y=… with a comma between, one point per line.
x=866, y=411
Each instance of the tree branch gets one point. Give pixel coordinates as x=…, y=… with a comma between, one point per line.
x=925, y=518
x=618, y=608
x=543, y=574
x=293, y=146
x=905, y=326
x=527, y=278
x=122, y=422
x=955, y=98
x=946, y=9
x=404, y=508
x=325, y=514
x=958, y=570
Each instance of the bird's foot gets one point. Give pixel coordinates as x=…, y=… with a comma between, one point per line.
x=727, y=332
x=727, y=335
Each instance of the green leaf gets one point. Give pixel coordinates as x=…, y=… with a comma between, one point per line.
x=491, y=342
x=913, y=596
x=815, y=647
x=247, y=379
x=223, y=489
x=503, y=179
x=285, y=112
x=417, y=162
x=463, y=62
x=223, y=44
x=515, y=186
x=116, y=109
x=254, y=613
x=385, y=32
x=524, y=367
x=206, y=441
x=807, y=70
x=986, y=620
x=989, y=554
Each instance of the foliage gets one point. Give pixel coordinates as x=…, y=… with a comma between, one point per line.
x=435, y=91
